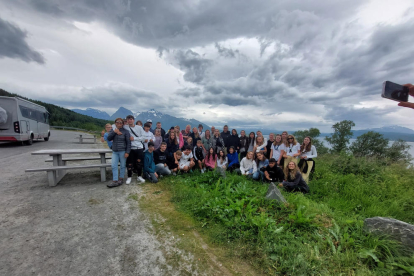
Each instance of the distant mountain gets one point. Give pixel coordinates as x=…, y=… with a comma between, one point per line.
x=95, y=113
x=395, y=129
x=122, y=112
x=166, y=120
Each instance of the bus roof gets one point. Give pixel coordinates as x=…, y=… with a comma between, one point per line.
x=20, y=99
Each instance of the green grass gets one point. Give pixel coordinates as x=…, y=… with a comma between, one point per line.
x=316, y=234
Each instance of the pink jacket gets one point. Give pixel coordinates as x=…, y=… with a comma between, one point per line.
x=181, y=144
x=210, y=163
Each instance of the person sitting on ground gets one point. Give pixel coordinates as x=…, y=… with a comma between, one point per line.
x=244, y=144
x=187, y=160
x=411, y=92
x=121, y=147
x=195, y=136
x=198, y=155
x=149, y=137
x=161, y=160
x=222, y=162
x=135, y=161
x=276, y=149
x=149, y=165
x=157, y=139
x=272, y=173
x=292, y=150
x=261, y=163
x=174, y=165
x=233, y=159
x=307, y=153
x=294, y=181
x=210, y=160
x=248, y=166
x=104, y=137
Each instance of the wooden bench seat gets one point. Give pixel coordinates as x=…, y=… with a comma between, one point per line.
x=52, y=171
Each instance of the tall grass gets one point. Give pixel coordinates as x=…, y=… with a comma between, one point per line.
x=320, y=233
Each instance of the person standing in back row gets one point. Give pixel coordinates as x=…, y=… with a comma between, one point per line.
x=226, y=135
x=135, y=159
x=162, y=131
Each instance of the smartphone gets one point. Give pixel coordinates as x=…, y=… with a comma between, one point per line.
x=395, y=92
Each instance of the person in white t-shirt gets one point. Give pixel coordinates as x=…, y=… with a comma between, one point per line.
x=276, y=149
x=148, y=135
x=187, y=160
x=307, y=153
x=200, y=131
x=292, y=150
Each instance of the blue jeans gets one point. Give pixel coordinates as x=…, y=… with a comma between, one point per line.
x=118, y=156
x=258, y=175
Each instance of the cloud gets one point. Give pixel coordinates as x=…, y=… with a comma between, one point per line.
x=13, y=44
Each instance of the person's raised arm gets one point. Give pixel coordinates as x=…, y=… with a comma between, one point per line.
x=411, y=92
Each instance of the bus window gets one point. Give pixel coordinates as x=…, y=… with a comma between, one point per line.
x=25, y=111
x=40, y=117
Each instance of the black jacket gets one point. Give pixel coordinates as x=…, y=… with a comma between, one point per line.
x=298, y=184
x=160, y=157
x=234, y=141
x=268, y=147
x=226, y=136
x=244, y=144
x=120, y=142
x=198, y=153
x=276, y=174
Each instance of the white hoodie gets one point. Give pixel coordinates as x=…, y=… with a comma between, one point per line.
x=247, y=164
x=138, y=141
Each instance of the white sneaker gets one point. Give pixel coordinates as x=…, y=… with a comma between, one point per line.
x=128, y=181
x=202, y=170
x=140, y=179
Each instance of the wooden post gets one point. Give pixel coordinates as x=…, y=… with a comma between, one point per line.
x=103, y=169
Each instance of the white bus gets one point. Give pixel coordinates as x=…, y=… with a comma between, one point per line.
x=21, y=120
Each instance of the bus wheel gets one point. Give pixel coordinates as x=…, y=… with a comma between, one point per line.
x=30, y=141
x=47, y=138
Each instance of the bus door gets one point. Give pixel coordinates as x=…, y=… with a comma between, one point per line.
x=24, y=128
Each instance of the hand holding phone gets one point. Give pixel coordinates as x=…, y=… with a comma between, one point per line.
x=411, y=92
x=395, y=92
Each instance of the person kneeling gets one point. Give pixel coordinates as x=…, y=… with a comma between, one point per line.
x=248, y=166
x=273, y=173
x=294, y=181
x=149, y=165
x=160, y=158
x=186, y=160
x=210, y=160
x=261, y=164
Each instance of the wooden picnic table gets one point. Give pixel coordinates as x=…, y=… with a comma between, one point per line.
x=58, y=171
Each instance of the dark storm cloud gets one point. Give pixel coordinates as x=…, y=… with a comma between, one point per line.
x=230, y=100
x=194, y=65
x=13, y=44
x=225, y=52
x=189, y=92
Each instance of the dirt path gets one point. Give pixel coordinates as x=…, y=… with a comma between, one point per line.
x=79, y=227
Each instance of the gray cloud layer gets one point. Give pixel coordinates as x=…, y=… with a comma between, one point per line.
x=13, y=44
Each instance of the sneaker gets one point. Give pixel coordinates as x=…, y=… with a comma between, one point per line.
x=202, y=170
x=128, y=181
x=113, y=184
x=140, y=179
x=174, y=173
x=161, y=176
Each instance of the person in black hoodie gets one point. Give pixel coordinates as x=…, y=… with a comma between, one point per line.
x=244, y=144
x=198, y=155
x=160, y=159
x=269, y=144
x=272, y=173
x=234, y=141
x=226, y=135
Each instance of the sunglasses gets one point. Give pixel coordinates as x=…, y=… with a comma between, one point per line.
x=118, y=122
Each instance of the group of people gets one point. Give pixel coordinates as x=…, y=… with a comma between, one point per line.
x=151, y=153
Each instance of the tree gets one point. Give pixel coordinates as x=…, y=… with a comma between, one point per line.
x=399, y=151
x=370, y=144
x=314, y=134
x=340, y=138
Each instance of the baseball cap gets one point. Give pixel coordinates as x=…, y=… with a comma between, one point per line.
x=149, y=121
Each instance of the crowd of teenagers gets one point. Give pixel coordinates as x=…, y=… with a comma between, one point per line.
x=151, y=153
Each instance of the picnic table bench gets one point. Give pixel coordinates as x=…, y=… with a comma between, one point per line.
x=59, y=168
x=81, y=139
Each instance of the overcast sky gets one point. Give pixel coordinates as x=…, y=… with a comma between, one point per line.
x=282, y=64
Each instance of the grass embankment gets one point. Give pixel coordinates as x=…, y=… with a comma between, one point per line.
x=320, y=233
